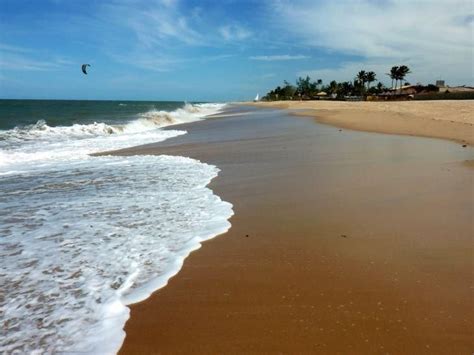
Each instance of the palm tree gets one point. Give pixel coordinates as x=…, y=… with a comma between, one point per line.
x=370, y=77
x=319, y=82
x=379, y=87
x=346, y=88
x=332, y=87
x=402, y=71
x=394, y=75
x=362, y=77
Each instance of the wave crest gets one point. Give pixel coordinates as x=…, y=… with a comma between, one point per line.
x=188, y=113
x=145, y=121
x=40, y=142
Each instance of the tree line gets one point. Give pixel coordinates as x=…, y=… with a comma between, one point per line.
x=307, y=89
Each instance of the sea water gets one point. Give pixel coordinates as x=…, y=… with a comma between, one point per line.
x=82, y=237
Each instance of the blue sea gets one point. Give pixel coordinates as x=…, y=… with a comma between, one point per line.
x=82, y=237
x=21, y=113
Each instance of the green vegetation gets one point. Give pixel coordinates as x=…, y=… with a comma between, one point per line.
x=306, y=89
x=445, y=96
x=398, y=73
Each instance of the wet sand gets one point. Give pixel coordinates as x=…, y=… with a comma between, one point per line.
x=449, y=119
x=341, y=242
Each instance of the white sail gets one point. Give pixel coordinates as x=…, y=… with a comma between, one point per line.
x=256, y=98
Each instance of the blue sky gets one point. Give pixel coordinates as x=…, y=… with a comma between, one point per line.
x=223, y=50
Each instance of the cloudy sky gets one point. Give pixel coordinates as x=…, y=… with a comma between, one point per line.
x=226, y=49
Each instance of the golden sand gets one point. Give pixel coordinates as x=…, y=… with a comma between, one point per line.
x=341, y=242
x=452, y=119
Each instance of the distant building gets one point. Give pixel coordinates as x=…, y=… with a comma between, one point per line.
x=404, y=90
x=442, y=87
x=462, y=88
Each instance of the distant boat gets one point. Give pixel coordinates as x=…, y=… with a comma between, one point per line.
x=256, y=98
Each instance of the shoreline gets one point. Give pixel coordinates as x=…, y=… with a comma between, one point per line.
x=310, y=269
x=445, y=119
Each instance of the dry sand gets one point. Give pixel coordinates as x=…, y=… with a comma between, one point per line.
x=342, y=242
x=453, y=119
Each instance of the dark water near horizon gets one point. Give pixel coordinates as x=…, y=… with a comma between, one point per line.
x=20, y=113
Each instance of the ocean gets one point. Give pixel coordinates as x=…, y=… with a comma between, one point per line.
x=82, y=237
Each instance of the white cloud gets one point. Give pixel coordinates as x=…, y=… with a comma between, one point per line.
x=144, y=60
x=154, y=23
x=164, y=63
x=432, y=37
x=164, y=31
x=168, y=3
x=20, y=58
x=156, y=30
x=348, y=70
x=270, y=58
x=9, y=48
x=14, y=62
x=234, y=32
x=213, y=58
x=422, y=71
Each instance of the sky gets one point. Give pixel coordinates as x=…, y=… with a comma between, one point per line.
x=224, y=50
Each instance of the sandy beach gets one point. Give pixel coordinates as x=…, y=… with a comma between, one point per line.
x=237, y=177
x=452, y=119
x=341, y=242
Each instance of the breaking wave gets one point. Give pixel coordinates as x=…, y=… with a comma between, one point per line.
x=82, y=237
x=143, y=122
x=41, y=142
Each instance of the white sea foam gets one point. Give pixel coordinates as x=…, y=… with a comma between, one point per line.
x=81, y=237
x=40, y=143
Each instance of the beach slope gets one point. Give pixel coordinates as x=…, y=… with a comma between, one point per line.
x=341, y=242
x=453, y=119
